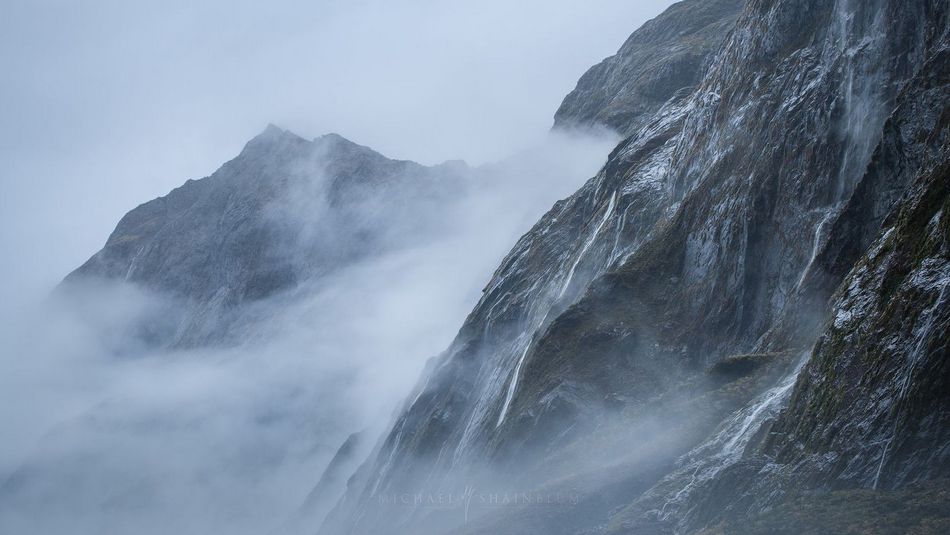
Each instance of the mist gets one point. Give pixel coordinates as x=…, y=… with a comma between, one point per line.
x=109, y=432
x=110, y=104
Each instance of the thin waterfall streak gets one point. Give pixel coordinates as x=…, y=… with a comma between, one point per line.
x=816, y=244
x=513, y=383
x=587, y=245
x=905, y=384
x=728, y=444
x=135, y=258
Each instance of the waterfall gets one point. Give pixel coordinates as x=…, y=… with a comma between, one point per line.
x=923, y=335
x=725, y=448
x=816, y=243
x=135, y=259
x=587, y=244
x=513, y=383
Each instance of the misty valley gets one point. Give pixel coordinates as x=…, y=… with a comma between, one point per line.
x=711, y=300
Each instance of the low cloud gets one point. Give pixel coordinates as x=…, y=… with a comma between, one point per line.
x=112, y=435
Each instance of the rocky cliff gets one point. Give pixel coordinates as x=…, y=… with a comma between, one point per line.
x=739, y=324
x=772, y=236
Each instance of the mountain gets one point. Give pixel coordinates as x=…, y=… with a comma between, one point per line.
x=285, y=211
x=253, y=322
x=744, y=307
x=739, y=324
x=222, y=344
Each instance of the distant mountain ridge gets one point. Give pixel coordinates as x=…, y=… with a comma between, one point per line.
x=284, y=211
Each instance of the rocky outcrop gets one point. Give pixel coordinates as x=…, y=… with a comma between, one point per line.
x=668, y=55
x=329, y=487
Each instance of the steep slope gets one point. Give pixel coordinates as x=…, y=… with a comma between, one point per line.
x=708, y=234
x=850, y=402
x=329, y=487
x=668, y=54
x=869, y=410
x=282, y=212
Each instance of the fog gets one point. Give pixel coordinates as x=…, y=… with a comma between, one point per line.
x=107, y=431
x=109, y=104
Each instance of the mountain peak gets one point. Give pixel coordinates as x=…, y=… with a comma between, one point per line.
x=334, y=139
x=272, y=131
x=270, y=138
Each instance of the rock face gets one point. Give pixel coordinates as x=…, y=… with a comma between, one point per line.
x=879, y=369
x=791, y=209
x=667, y=55
x=284, y=211
x=876, y=375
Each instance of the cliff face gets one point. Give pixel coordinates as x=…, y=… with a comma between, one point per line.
x=867, y=410
x=872, y=401
x=720, y=227
x=282, y=213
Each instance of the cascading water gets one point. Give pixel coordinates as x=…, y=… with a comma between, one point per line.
x=816, y=243
x=590, y=241
x=924, y=334
x=857, y=39
x=510, y=393
x=513, y=383
x=726, y=447
x=133, y=263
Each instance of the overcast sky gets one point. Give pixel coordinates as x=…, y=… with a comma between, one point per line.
x=109, y=103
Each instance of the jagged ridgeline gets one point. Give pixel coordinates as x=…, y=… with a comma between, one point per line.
x=739, y=325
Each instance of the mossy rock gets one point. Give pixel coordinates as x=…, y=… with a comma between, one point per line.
x=920, y=509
